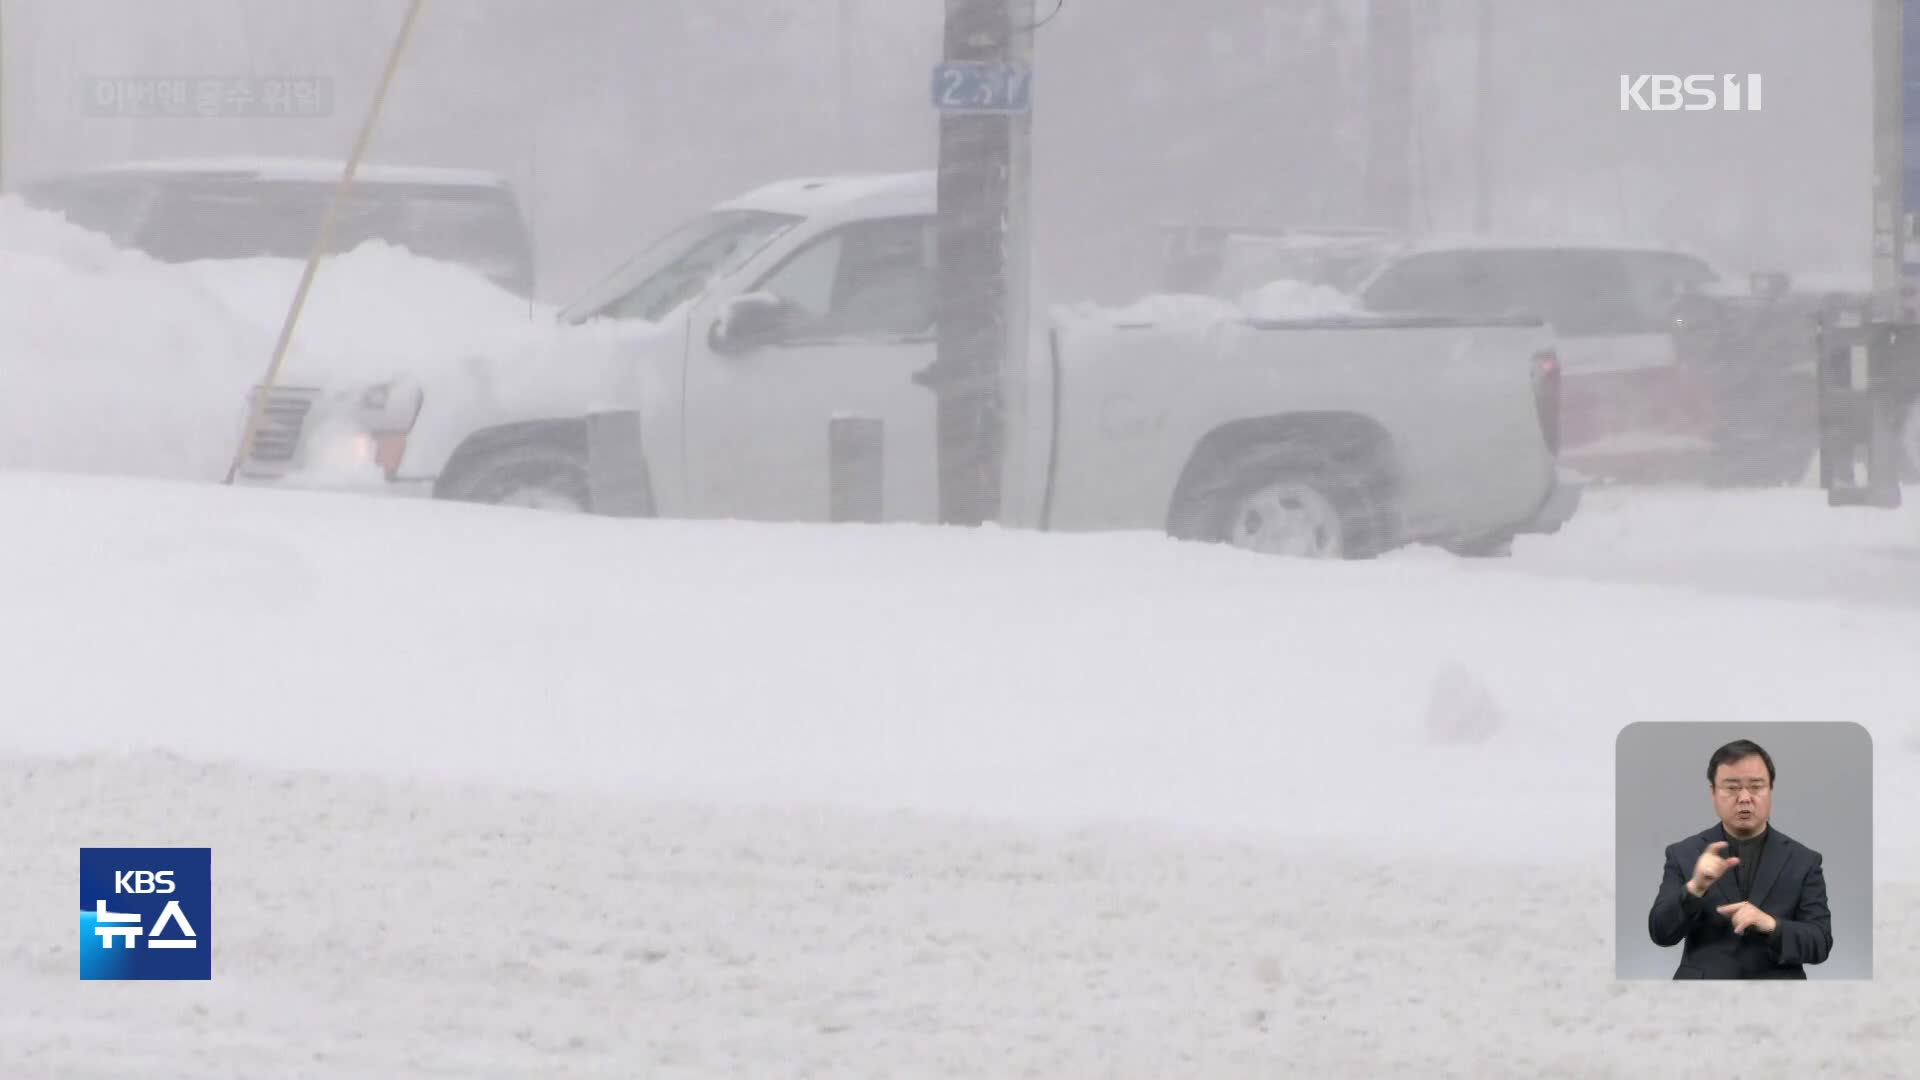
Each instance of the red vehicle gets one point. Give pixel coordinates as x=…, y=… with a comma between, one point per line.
x=1669, y=373
x=1632, y=407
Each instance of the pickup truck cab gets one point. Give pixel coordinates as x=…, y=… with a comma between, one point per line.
x=740, y=339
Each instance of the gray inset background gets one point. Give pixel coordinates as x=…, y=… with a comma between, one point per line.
x=1823, y=798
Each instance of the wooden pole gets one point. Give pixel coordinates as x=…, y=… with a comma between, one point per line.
x=321, y=243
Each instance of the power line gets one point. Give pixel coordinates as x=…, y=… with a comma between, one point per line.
x=1058, y=6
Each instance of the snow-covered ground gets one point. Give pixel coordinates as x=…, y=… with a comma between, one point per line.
x=391, y=929
x=497, y=793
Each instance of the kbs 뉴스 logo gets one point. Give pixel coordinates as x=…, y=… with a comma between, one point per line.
x=146, y=913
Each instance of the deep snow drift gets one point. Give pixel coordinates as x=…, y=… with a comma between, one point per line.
x=516, y=794
x=113, y=363
x=1116, y=677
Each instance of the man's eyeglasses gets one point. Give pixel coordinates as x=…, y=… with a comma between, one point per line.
x=1756, y=787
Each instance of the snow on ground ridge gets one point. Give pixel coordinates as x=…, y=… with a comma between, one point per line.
x=680, y=940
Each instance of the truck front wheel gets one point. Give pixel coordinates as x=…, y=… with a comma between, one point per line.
x=535, y=477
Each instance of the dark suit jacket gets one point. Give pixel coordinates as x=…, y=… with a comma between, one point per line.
x=1788, y=886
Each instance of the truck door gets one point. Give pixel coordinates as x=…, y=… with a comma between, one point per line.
x=857, y=325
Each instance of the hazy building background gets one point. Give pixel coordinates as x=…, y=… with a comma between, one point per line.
x=616, y=117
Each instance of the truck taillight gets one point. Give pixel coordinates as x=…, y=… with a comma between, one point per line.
x=1546, y=395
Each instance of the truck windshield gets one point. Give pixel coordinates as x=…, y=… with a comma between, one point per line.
x=679, y=266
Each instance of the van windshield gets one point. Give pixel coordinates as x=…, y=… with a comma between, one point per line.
x=220, y=220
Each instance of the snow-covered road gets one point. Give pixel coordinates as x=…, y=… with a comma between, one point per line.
x=388, y=929
x=1780, y=544
x=503, y=794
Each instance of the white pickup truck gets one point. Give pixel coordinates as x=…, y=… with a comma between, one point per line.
x=739, y=338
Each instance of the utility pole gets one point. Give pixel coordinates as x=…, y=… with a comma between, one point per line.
x=1019, y=269
x=1890, y=229
x=983, y=91
x=1864, y=370
x=3, y=97
x=1485, y=133
x=1390, y=112
x=849, y=140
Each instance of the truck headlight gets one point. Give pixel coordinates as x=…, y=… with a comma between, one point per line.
x=385, y=449
x=389, y=448
x=380, y=419
x=389, y=406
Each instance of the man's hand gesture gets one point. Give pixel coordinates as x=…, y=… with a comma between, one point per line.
x=1712, y=863
x=1745, y=915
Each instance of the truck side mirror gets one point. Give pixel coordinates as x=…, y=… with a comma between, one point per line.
x=748, y=322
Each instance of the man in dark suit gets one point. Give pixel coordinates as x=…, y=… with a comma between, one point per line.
x=1749, y=902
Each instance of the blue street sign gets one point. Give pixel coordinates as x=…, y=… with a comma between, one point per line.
x=964, y=86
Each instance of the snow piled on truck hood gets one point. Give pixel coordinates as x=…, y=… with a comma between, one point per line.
x=375, y=312
x=112, y=362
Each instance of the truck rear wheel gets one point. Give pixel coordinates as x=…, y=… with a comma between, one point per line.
x=1283, y=500
x=1499, y=546
x=535, y=477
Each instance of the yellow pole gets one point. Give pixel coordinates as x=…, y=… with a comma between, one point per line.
x=321, y=243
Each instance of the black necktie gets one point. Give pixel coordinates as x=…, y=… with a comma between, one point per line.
x=1749, y=853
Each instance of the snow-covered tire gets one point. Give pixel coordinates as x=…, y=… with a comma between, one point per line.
x=1490, y=547
x=1283, y=500
x=535, y=476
